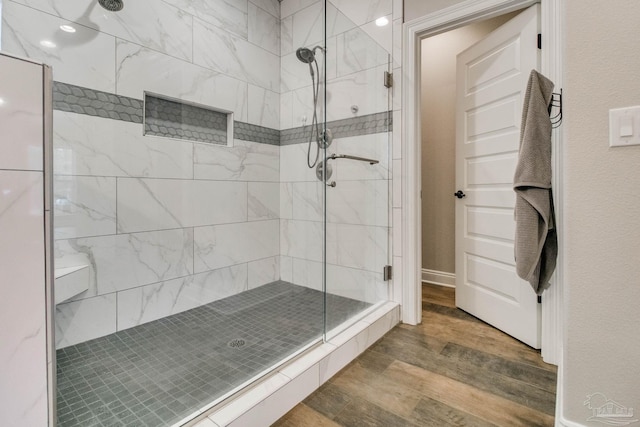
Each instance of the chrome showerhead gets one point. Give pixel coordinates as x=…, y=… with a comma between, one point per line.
x=112, y=5
x=305, y=55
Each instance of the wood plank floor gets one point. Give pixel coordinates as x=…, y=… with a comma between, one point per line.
x=452, y=370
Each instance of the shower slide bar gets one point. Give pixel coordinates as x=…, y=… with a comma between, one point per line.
x=347, y=156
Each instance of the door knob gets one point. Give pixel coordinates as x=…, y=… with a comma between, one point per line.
x=459, y=194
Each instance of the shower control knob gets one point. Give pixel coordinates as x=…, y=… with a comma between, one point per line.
x=459, y=194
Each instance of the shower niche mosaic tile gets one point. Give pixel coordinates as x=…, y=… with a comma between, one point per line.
x=172, y=118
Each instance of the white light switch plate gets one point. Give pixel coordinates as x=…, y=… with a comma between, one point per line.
x=624, y=126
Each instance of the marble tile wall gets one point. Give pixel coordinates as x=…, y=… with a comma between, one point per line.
x=181, y=227
x=358, y=52
x=23, y=353
x=199, y=51
x=119, y=192
x=163, y=224
x=358, y=222
x=358, y=208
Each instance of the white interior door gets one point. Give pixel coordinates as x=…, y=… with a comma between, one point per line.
x=491, y=81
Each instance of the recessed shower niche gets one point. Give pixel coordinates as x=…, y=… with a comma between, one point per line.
x=174, y=118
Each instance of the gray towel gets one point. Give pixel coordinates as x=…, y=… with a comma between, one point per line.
x=536, y=243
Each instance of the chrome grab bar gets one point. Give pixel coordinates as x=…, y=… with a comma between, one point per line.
x=347, y=156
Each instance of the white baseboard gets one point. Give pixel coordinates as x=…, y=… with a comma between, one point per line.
x=441, y=278
x=564, y=423
x=561, y=421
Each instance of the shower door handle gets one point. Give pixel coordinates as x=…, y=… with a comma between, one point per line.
x=349, y=157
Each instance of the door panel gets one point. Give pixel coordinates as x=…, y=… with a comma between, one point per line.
x=492, y=117
x=501, y=141
x=495, y=65
x=492, y=276
x=490, y=223
x=491, y=79
x=490, y=170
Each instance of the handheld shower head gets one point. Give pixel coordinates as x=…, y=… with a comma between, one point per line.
x=305, y=55
x=308, y=56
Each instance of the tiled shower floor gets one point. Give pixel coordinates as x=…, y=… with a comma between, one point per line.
x=160, y=372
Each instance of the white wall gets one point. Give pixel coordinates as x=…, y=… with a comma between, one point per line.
x=602, y=237
x=416, y=8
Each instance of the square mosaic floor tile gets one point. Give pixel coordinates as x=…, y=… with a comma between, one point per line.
x=158, y=373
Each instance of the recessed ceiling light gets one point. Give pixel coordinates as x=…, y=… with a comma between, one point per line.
x=67, y=28
x=381, y=22
x=47, y=43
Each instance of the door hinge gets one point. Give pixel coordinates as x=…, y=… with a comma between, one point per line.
x=539, y=41
x=388, y=79
x=539, y=299
x=387, y=273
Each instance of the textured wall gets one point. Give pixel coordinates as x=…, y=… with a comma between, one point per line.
x=601, y=208
x=438, y=100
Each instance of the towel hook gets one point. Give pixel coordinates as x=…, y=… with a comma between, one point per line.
x=556, y=101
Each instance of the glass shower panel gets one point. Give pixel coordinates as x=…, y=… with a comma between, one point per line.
x=357, y=172
x=221, y=191
x=184, y=204
x=301, y=193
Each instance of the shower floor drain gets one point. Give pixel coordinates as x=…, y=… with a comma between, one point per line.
x=235, y=343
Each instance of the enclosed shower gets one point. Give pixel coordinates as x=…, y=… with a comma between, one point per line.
x=221, y=179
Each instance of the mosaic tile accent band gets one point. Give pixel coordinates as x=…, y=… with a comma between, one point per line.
x=83, y=100
x=255, y=133
x=157, y=373
x=362, y=125
x=173, y=119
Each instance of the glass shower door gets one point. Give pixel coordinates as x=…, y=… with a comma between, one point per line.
x=356, y=167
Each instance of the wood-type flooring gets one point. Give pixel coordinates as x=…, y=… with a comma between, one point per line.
x=452, y=370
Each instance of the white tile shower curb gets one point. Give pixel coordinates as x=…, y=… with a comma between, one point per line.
x=269, y=399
